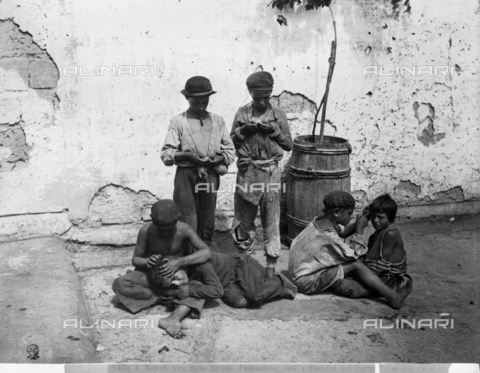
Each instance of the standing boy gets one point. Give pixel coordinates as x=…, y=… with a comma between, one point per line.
x=260, y=134
x=198, y=143
x=320, y=259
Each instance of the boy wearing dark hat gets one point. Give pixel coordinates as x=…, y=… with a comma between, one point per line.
x=260, y=134
x=161, y=250
x=198, y=144
x=320, y=259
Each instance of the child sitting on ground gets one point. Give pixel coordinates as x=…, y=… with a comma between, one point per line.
x=386, y=256
x=320, y=258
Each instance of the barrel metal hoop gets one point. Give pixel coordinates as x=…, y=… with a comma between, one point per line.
x=295, y=221
x=313, y=150
x=311, y=174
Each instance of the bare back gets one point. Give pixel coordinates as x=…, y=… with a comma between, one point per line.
x=387, y=245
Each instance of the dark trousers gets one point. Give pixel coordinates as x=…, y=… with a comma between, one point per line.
x=197, y=199
x=135, y=292
x=250, y=282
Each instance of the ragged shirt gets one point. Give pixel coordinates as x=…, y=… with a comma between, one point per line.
x=180, y=138
x=259, y=153
x=314, y=249
x=259, y=145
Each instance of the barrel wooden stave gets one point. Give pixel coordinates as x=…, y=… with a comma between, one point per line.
x=314, y=171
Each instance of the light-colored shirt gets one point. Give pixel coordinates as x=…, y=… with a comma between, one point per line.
x=314, y=249
x=180, y=138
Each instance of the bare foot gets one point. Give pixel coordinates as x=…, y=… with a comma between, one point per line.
x=269, y=272
x=290, y=290
x=401, y=295
x=241, y=303
x=173, y=327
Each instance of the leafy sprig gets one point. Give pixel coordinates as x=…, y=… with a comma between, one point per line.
x=309, y=4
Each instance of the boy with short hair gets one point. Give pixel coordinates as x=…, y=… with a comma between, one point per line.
x=386, y=256
x=161, y=249
x=320, y=259
x=261, y=134
x=199, y=145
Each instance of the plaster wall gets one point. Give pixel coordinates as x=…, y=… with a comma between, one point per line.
x=76, y=141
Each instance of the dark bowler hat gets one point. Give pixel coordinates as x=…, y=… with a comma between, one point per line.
x=198, y=86
x=260, y=81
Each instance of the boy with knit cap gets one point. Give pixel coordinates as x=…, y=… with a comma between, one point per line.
x=320, y=259
x=198, y=144
x=260, y=134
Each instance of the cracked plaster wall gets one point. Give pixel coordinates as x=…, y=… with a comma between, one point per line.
x=92, y=142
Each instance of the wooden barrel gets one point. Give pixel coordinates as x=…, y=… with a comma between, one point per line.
x=314, y=170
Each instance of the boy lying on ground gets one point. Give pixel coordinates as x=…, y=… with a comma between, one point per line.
x=386, y=256
x=238, y=280
x=320, y=259
x=162, y=244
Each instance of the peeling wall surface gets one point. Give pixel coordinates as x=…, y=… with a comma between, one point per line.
x=87, y=92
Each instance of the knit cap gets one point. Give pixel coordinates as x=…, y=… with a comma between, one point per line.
x=339, y=199
x=260, y=81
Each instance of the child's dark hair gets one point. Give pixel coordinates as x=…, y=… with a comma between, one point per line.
x=386, y=205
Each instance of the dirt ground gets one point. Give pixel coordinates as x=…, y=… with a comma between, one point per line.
x=444, y=262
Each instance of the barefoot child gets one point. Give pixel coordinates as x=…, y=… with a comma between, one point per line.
x=162, y=244
x=321, y=259
x=261, y=135
x=237, y=279
x=386, y=256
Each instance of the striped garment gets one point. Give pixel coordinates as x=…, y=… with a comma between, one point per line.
x=381, y=267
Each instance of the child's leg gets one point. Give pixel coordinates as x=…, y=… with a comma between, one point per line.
x=244, y=213
x=350, y=288
x=207, y=202
x=371, y=280
x=134, y=291
x=256, y=288
x=173, y=323
x=233, y=297
x=398, y=283
x=270, y=216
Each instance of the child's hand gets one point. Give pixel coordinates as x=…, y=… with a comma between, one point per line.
x=362, y=221
x=182, y=292
x=216, y=159
x=169, y=267
x=248, y=128
x=366, y=211
x=268, y=127
x=153, y=260
x=197, y=159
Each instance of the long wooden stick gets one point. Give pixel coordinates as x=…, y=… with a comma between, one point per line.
x=331, y=66
x=316, y=116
